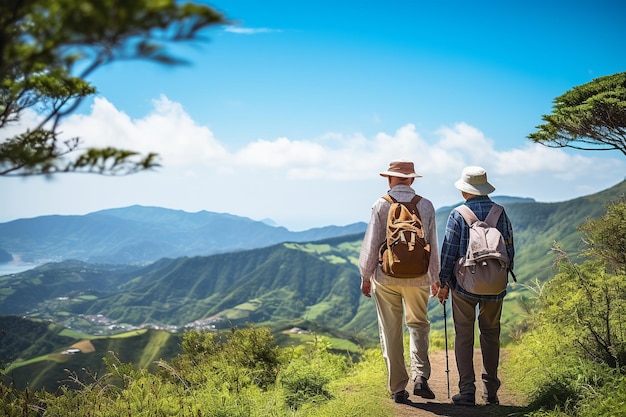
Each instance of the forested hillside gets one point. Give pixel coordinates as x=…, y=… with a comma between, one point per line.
x=281, y=285
x=63, y=357
x=313, y=286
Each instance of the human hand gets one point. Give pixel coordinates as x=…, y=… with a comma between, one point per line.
x=366, y=288
x=434, y=289
x=443, y=293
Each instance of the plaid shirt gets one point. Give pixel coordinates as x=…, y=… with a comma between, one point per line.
x=456, y=240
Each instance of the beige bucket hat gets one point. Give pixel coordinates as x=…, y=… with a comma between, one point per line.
x=474, y=181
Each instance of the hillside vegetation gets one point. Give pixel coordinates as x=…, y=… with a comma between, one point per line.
x=313, y=286
x=71, y=358
x=240, y=374
x=571, y=358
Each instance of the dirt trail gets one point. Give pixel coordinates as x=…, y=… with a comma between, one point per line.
x=442, y=405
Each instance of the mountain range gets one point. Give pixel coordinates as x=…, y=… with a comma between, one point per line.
x=316, y=281
x=307, y=284
x=139, y=235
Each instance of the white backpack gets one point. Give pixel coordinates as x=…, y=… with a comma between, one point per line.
x=484, y=270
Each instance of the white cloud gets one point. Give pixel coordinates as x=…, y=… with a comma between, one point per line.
x=249, y=31
x=167, y=130
x=331, y=179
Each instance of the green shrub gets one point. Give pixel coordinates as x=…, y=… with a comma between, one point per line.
x=303, y=382
x=607, y=400
x=308, y=373
x=244, y=356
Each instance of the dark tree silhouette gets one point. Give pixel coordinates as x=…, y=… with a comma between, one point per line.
x=49, y=47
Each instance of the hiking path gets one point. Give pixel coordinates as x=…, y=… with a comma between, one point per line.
x=510, y=403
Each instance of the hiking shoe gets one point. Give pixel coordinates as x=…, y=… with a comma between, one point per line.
x=421, y=388
x=401, y=397
x=492, y=400
x=464, y=399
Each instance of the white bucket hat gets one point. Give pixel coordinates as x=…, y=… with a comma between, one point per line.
x=403, y=169
x=474, y=181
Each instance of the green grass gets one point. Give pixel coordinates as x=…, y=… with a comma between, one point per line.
x=334, y=259
x=337, y=344
x=74, y=334
x=6, y=291
x=124, y=335
x=151, y=351
x=310, y=247
x=86, y=297
x=362, y=393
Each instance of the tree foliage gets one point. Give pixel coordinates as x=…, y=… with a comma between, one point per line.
x=587, y=305
x=575, y=348
x=606, y=236
x=48, y=48
x=591, y=116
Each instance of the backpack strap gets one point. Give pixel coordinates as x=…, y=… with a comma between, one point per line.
x=467, y=213
x=389, y=199
x=470, y=217
x=494, y=215
x=416, y=199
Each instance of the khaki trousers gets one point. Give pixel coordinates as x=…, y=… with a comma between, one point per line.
x=395, y=304
x=464, y=315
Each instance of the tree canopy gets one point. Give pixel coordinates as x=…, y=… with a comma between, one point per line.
x=47, y=50
x=591, y=116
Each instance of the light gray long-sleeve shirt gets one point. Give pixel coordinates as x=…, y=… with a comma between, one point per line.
x=375, y=235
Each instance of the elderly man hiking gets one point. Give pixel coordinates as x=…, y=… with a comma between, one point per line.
x=476, y=282
x=401, y=290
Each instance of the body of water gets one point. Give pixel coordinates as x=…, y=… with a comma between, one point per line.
x=8, y=269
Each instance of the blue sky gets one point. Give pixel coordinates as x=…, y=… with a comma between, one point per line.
x=292, y=111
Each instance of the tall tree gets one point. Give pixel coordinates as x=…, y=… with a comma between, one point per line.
x=591, y=116
x=47, y=50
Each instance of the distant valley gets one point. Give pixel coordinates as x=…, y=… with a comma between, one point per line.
x=306, y=280
x=283, y=277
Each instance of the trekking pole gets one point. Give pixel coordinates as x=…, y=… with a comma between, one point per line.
x=445, y=332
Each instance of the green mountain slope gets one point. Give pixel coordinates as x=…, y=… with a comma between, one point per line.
x=287, y=283
x=537, y=225
x=59, y=286
x=314, y=285
x=24, y=339
x=311, y=285
x=61, y=353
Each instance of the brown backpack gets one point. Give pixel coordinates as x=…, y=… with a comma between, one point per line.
x=404, y=253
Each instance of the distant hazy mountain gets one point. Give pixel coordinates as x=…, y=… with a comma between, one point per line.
x=140, y=234
x=283, y=284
